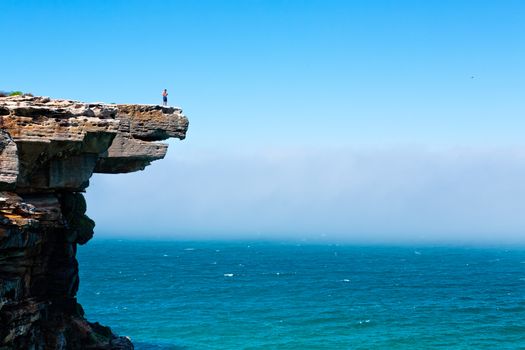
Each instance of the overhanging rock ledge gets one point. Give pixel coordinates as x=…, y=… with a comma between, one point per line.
x=48, y=151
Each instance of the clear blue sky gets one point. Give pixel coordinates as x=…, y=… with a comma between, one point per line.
x=296, y=105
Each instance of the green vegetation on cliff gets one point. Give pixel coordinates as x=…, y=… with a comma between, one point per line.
x=14, y=93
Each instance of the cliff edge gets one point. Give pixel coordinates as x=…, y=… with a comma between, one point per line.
x=48, y=151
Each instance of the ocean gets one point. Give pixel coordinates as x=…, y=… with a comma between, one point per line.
x=240, y=295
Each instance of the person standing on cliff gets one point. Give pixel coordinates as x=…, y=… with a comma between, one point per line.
x=165, y=97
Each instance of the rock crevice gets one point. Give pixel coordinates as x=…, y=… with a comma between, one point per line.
x=48, y=151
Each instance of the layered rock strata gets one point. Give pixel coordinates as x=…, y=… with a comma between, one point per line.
x=48, y=151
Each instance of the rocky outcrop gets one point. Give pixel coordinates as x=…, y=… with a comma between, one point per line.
x=48, y=151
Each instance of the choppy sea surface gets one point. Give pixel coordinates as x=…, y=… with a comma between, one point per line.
x=232, y=295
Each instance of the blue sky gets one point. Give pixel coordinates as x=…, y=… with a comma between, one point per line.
x=308, y=119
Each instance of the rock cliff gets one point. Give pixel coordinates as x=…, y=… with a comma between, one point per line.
x=48, y=151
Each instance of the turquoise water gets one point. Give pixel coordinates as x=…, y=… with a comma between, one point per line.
x=220, y=295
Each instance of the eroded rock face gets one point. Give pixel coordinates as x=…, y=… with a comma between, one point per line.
x=48, y=151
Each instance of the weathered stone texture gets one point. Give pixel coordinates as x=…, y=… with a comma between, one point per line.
x=8, y=161
x=48, y=151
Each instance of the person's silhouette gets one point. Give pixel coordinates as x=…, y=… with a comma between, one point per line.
x=165, y=97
